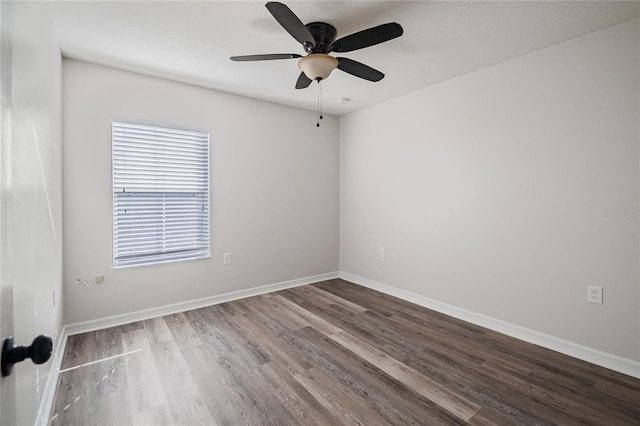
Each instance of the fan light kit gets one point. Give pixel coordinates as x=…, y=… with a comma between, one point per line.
x=317, y=66
x=318, y=39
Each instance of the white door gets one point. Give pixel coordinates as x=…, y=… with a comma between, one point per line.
x=30, y=203
x=7, y=385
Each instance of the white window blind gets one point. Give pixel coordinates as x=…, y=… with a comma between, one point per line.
x=160, y=195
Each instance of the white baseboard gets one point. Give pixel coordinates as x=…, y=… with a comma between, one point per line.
x=585, y=353
x=112, y=321
x=44, y=411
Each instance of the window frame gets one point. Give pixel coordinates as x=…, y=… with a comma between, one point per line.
x=203, y=230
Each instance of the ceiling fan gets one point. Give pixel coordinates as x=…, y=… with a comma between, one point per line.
x=319, y=39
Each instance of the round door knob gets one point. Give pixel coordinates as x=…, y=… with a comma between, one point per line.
x=39, y=352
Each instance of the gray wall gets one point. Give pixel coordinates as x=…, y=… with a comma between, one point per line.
x=507, y=191
x=274, y=191
x=31, y=205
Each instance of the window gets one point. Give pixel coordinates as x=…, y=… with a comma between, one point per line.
x=160, y=195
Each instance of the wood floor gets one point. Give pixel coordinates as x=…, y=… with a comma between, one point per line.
x=328, y=354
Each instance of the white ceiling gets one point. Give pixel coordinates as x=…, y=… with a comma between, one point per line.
x=192, y=41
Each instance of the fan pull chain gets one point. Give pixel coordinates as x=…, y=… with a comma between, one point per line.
x=320, y=99
x=318, y=105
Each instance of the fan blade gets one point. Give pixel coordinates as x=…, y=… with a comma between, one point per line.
x=359, y=69
x=303, y=81
x=291, y=23
x=366, y=38
x=265, y=57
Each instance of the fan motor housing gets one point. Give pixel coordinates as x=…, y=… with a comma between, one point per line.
x=324, y=34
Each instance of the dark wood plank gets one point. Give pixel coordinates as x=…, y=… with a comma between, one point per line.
x=209, y=334
x=392, y=399
x=430, y=389
x=96, y=394
x=267, y=408
x=184, y=399
x=224, y=317
x=78, y=350
x=296, y=398
x=217, y=388
x=183, y=333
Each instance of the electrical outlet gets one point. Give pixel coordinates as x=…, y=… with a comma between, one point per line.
x=382, y=252
x=594, y=294
x=227, y=258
